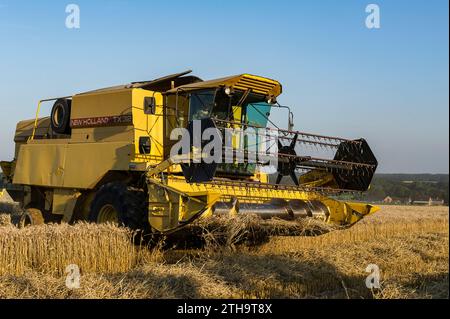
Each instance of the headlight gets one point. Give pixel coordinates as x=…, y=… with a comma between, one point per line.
x=272, y=100
x=228, y=91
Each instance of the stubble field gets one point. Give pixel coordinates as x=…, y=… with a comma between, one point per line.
x=409, y=245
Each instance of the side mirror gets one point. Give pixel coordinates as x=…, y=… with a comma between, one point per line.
x=291, y=121
x=149, y=105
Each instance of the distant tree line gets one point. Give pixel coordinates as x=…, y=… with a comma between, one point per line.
x=405, y=187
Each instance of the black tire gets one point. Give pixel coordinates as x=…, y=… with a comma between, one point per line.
x=38, y=203
x=31, y=217
x=129, y=203
x=60, y=116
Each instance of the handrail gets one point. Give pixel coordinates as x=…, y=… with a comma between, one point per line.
x=37, y=113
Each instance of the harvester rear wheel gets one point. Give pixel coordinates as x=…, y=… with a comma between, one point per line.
x=31, y=217
x=120, y=204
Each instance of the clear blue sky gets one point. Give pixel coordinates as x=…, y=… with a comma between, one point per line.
x=388, y=85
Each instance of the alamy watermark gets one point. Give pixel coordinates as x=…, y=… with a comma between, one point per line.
x=230, y=146
x=73, y=276
x=73, y=17
x=373, y=19
x=373, y=280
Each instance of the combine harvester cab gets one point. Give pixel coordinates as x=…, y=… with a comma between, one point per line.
x=157, y=155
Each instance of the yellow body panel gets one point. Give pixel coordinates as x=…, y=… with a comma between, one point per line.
x=151, y=125
x=99, y=104
x=40, y=165
x=64, y=201
x=43, y=164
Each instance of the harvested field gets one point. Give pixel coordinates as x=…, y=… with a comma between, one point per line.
x=409, y=245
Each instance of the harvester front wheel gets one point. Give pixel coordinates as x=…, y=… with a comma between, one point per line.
x=31, y=217
x=120, y=204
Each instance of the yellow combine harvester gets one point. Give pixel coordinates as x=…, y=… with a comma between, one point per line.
x=108, y=156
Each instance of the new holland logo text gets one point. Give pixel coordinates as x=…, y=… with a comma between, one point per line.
x=102, y=121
